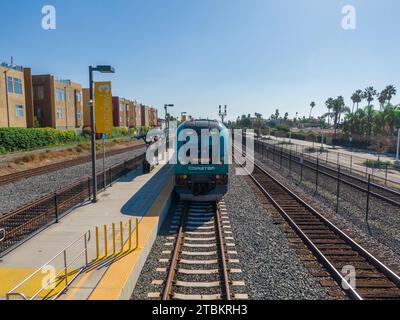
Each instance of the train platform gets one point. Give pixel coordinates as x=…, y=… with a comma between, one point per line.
x=97, y=251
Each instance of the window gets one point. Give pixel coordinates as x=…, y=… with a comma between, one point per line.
x=79, y=115
x=38, y=93
x=69, y=95
x=60, y=113
x=60, y=94
x=121, y=107
x=78, y=96
x=19, y=111
x=10, y=85
x=17, y=86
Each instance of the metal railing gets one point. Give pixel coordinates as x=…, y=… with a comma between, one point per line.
x=124, y=235
x=56, y=278
x=336, y=179
x=21, y=224
x=379, y=169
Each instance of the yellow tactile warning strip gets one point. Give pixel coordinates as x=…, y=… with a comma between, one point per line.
x=117, y=282
x=12, y=277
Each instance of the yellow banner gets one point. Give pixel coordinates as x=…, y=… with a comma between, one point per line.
x=103, y=107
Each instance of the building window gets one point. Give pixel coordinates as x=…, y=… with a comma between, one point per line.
x=79, y=115
x=38, y=93
x=78, y=96
x=60, y=113
x=10, y=85
x=19, y=111
x=60, y=94
x=121, y=107
x=17, y=86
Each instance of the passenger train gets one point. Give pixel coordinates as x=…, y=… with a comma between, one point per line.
x=203, y=179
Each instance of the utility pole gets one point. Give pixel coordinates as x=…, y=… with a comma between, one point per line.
x=223, y=114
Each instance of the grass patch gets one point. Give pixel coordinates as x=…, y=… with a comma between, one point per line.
x=377, y=164
x=315, y=150
x=285, y=143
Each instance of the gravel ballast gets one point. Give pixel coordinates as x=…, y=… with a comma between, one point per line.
x=380, y=237
x=15, y=195
x=271, y=268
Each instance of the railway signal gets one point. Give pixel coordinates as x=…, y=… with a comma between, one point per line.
x=223, y=114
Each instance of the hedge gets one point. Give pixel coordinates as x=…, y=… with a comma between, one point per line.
x=16, y=139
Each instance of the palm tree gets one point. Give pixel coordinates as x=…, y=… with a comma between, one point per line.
x=356, y=98
x=382, y=97
x=329, y=105
x=369, y=94
x=312, y=105
x=369, y=114
x=390, y=91
x=338, y=108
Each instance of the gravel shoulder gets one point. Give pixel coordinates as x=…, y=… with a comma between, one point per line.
x=15, y=195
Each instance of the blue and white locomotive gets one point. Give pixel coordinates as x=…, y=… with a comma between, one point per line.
x=205, y=176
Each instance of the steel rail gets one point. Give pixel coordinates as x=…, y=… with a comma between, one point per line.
x=222, y=248
x=336, y=274
x=13, y=177
x=350, y=176
x=175, y=258
x=358, y=187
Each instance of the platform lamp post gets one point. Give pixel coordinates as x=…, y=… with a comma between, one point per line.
x=101, y=69
x=166, y=106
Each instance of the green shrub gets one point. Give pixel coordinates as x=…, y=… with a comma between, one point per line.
x=377, y=164
x=16, y=139
x=314, y=150
x=119, y=132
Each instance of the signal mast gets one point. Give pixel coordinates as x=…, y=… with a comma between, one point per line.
x=223, y=114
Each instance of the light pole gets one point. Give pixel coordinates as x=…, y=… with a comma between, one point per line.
x=166, y=106
x=101, y=69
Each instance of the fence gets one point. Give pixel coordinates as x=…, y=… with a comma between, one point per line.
x=335, y=185
x=379, y=170
x=25, y=222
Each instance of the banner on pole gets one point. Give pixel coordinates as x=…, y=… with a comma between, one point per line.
x=103, y=107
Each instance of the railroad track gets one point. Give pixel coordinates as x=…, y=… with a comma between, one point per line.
x=378, y=191
x=336, y=251
x=204, y=260
x=13, y=177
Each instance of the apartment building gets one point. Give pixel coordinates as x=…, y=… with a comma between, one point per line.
x=149, y=116
x=126, y=113
x=13, y=103
x=134, y=113
x=86, y=107
x=57, y=103
x=120, y=112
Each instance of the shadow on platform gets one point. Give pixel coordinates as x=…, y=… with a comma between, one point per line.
x=144, y=198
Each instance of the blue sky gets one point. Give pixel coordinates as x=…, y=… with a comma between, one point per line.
x=253, y=55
